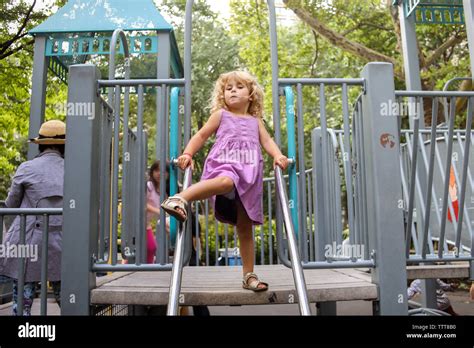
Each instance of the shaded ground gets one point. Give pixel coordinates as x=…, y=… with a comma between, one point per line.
x=459, y=299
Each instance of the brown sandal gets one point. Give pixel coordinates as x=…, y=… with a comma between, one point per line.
x=176, y=206
x=254, y=284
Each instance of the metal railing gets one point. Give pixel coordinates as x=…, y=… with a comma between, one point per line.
x=437, y=180
x=446, y=88
x=375, y=185
x=178, y=262
x=27, y=218
x=119, y=167
x=298, y=274
x=427, y=312
x=360, y=213
x=128, y=163
x=133, y=164
x=384, y=221
x=115, y=209
x=331, y=155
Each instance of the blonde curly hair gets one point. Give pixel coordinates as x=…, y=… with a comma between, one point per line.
x=217, y=100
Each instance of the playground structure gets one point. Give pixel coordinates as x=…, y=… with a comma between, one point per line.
x=394, y=199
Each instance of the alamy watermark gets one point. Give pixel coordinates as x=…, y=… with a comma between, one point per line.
x=29, y=251
x=399, y=108
x=28, y=330
x=246, y=156
x=352, y=251
x=76, y=109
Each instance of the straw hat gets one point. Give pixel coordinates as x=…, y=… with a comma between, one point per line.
x=51, y=133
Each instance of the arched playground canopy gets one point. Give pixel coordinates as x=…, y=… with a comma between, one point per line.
x=83, y=28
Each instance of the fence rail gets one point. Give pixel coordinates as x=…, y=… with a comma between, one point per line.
x=25, y=217
x=436, y=176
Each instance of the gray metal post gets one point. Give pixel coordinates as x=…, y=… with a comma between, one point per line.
x=188, y=28
x=276, y=108
x=318, y=193
x=323, y=308
x=81, y=193
x=413, y=83
x=411, y=61
x=469, y=19
x=163, y=71
x=385, y=218
x=38, y=92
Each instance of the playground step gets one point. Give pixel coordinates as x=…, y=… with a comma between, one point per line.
x=222, y=286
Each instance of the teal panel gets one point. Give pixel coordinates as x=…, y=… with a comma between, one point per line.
x=58, y=69
x=104, y=15
x=434, y=11
x=64, y=46
x=439, y=15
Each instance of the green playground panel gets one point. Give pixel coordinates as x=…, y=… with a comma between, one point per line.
x=58, y=47
x=434, y=11
x=439, y=15
x=65, y=51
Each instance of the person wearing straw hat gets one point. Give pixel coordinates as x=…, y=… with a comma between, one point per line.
x=37, y=183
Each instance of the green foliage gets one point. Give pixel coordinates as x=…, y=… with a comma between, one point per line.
x=218, y=47
x=261, y=237
x=303, y=52
x=16, y=52
x=214, y=51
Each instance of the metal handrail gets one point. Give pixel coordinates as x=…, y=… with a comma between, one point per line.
x=427, y=312
x=449, y=82
x=318, y=81
x=296, y=266
x=114, y=101
x=445, y=89
x=31, y=211
x=415, y=308
x=135, y=82
x=431, y=94
x=177, y=270
x=118, y=34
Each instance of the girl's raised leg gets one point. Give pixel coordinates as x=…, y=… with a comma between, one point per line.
x=201, y=190
x=207, y=188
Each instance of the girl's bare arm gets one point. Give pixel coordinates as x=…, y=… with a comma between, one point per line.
x=200, y=138
x=271, y=147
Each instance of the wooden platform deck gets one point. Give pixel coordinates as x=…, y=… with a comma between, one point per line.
x=216, y=286
x=222, y=286
x=453, y=270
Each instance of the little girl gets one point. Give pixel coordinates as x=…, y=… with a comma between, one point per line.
x=233, y=170
x=153, y=206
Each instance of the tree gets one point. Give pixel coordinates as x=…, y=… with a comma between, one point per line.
x=214, y=51
x=301, y=53
x=344, y=24
x=336, y=38
x=17, y=18
x=16, y=52
x=350, y=17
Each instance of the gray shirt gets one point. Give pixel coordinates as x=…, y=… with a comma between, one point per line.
x=37, y=184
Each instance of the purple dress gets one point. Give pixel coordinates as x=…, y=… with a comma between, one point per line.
x=237, y=155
